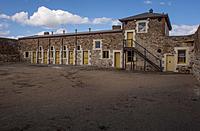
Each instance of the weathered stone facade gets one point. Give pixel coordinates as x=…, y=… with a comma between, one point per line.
x=111, y=41
x=196, y=68
x=9, y=50
x=157, y=39
x=155, y=43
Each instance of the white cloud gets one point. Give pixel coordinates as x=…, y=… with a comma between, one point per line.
x=3, y=29
x=102, y=20
x=53, y=18
x=21, y=17
x=4, y=33
x=58, y=31
x=148, y=2
x=162, y=3
x=116, y=22
x=3, y=16
x=183, y=29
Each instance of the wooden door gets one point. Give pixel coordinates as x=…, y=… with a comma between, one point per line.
x=34, y=60
x=170, y=64
x=85, y=57
x=117, y=59
x=45, y=58
x=71, y=57
x=57, y=57
x=130, y=39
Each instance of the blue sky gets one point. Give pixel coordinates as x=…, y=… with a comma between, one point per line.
x=29, y=17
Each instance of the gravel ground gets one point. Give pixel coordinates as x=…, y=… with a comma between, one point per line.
x=66, y=98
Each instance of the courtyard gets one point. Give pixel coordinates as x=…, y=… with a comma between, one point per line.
x=73, y=98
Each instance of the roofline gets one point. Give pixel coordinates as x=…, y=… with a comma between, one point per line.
x=73, y=34
x=8, y=38
x=162, y=16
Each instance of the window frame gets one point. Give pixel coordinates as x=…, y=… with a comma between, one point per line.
x=146, y=26
x=107, y=54
x=25, y=54
x=64, y=52
x=184, y=57
x=94, y=44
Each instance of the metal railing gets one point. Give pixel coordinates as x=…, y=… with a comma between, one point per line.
x=147, y=54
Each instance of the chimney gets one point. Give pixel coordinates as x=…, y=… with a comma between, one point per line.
x=90, y=29
x=116, y=27
x=151, y=11
x=63, y=31
x=46, y=33
x=52, y=32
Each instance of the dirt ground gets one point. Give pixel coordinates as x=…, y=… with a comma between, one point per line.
x=66, y=98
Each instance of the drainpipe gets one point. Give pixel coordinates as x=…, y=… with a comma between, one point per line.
x=123, y=53
x=62, y=51
x=38, y=52
x=76, y=47
x=49, y=50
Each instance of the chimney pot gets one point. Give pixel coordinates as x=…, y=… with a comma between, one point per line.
x=151, y=11
x=116, y=27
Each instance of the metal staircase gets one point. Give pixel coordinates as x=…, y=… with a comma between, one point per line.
x=136, y=48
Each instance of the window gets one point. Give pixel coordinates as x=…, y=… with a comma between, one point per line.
x=181, y=56
x=26, y=54
x=40, y=52
x=142, y=26
x=78, y=47
x=130, y=56
x=105, y=54
x=97, y=44
x=51, y=52
x=64, y=52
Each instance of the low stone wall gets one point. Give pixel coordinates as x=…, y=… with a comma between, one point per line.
x=196, y=67
x=9, y=50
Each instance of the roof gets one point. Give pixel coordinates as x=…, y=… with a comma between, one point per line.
x=73, y=34
x=148, y=15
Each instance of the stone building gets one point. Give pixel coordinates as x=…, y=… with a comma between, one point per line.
x=196, y=68
x=141, y=43
x=9, y=50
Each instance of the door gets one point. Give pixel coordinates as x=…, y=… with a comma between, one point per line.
x=170, y=63
x=71, y=57
x=45, y=58
x=85, y=57
x=57, y=57
x=117, y=59
x=130, y=39
x=34, y=60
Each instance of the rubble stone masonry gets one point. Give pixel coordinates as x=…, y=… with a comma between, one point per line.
x=196, y=67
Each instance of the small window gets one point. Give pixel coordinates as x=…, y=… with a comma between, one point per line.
x=78, y=47
x=97, y=44
x=105, y=54
x=130, y=56
x=40, y=48
x=142, y=27
x=64, y=52
x=51, y=52
x=181, y=56
x=26, y=54
x=64, y=47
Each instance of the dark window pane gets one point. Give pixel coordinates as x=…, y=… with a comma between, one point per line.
x=97, y=44
x=105, y=54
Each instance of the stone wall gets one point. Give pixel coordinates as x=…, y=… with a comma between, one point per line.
x=9, y=50
x=196, y=67
x=110, y=41
x=160, y=44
